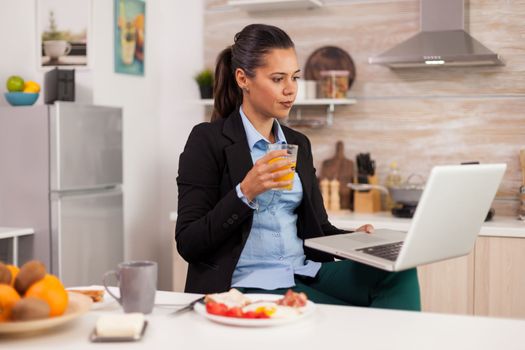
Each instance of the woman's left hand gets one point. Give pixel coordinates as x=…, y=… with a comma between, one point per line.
x=368, y=228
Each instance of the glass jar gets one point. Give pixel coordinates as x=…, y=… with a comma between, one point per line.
x=333, y=83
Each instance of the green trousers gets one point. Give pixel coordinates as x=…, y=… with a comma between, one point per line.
x=351, y=283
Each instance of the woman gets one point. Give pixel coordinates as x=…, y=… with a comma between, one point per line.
x=233, y=228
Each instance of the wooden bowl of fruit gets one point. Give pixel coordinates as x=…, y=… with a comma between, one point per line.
x=32, y=299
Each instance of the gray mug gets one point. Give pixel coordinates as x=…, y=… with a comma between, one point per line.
x=137, y=281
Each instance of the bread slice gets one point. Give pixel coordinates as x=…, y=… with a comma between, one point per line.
x=97, y=295
x=232, y=298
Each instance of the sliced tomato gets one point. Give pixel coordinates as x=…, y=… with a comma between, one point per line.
x=234, y=312
x=249, y=314
x=216, y=308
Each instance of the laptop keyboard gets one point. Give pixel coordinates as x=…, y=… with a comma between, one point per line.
x=388, y=251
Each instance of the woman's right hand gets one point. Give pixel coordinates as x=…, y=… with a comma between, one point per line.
x=262, y=176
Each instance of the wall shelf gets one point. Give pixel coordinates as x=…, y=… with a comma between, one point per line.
x=330, y=104
x=271, y=5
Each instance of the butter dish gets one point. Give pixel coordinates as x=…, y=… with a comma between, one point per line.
x=119, y=328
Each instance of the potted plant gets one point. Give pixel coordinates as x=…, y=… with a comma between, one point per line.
x=205, y=81
x=54, y=41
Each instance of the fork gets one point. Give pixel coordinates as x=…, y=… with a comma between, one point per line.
x=188, y=307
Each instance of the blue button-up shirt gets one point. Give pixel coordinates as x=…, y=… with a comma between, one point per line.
x=273, y=253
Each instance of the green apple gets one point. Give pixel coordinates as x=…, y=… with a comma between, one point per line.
x=15, y=83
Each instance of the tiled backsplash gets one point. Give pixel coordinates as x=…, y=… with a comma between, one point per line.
x=418, y=117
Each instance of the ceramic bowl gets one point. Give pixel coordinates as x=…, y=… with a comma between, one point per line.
x=21, y=98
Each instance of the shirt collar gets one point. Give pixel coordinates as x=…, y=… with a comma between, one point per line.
x=253, y=136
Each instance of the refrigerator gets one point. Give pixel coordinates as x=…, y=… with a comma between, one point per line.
x=61, y=174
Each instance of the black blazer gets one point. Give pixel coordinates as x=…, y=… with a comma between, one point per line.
x=213, y=223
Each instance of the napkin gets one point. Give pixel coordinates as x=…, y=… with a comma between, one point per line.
x=126, y=325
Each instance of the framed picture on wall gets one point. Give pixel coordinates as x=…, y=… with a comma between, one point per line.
x=63, y=29
x=129, y=36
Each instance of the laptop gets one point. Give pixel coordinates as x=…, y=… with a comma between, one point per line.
x=448, y=218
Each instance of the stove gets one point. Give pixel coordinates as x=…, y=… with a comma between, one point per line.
x=404, y=210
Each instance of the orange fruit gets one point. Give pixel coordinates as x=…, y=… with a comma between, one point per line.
x=8, y=298
x=14, y=272
x=31, y=87
x=50, y=290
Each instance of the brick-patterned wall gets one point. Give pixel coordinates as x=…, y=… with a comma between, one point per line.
x=418, y=117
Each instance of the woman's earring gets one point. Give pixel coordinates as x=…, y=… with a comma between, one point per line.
x=246, y=89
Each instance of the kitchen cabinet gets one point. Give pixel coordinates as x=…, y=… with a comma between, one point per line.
x=500, y=277
x=448, y=286
x=488, y=282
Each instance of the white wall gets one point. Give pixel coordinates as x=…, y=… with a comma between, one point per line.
x=158, y=115
x=19, y=53
x=182, y=59
x=158, y=108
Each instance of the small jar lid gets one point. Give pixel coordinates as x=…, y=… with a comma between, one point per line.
x=335, y=73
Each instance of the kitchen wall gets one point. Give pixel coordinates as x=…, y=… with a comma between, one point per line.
x=18, y=47
x=418, y=117
x=159, y=114
x=158, y=108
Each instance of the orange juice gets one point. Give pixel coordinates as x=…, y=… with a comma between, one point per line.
x=286, y=177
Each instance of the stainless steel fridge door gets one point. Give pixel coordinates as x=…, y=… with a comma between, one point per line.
x=85, y=146
x=87, y=235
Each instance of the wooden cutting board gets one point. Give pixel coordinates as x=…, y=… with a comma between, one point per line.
x=342, y=169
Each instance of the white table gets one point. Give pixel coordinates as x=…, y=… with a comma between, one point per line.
x=14, y=233
x=330, y=327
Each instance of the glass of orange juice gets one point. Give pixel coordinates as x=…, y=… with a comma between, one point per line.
x=292, y=155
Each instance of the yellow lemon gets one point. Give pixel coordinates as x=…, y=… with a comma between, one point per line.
x=31, y=86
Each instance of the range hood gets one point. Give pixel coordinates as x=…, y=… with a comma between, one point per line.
x=442, y=41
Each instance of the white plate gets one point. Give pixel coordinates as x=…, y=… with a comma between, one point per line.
x=306, y=311
x=108, y=302
x=78, y=305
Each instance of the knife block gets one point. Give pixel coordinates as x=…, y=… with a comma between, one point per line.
x=368, y=202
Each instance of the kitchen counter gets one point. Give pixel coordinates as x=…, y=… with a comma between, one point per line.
x=11, y=232
x=499, y=226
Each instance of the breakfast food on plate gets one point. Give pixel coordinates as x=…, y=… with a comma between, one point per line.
x=97, y=295
x=231, y=298
x=30, y=293
x=119, y=326
x=293, y=299
x=235, y=304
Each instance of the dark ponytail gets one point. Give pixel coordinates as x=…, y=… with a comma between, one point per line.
x=227, y=94
x=247, y=53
